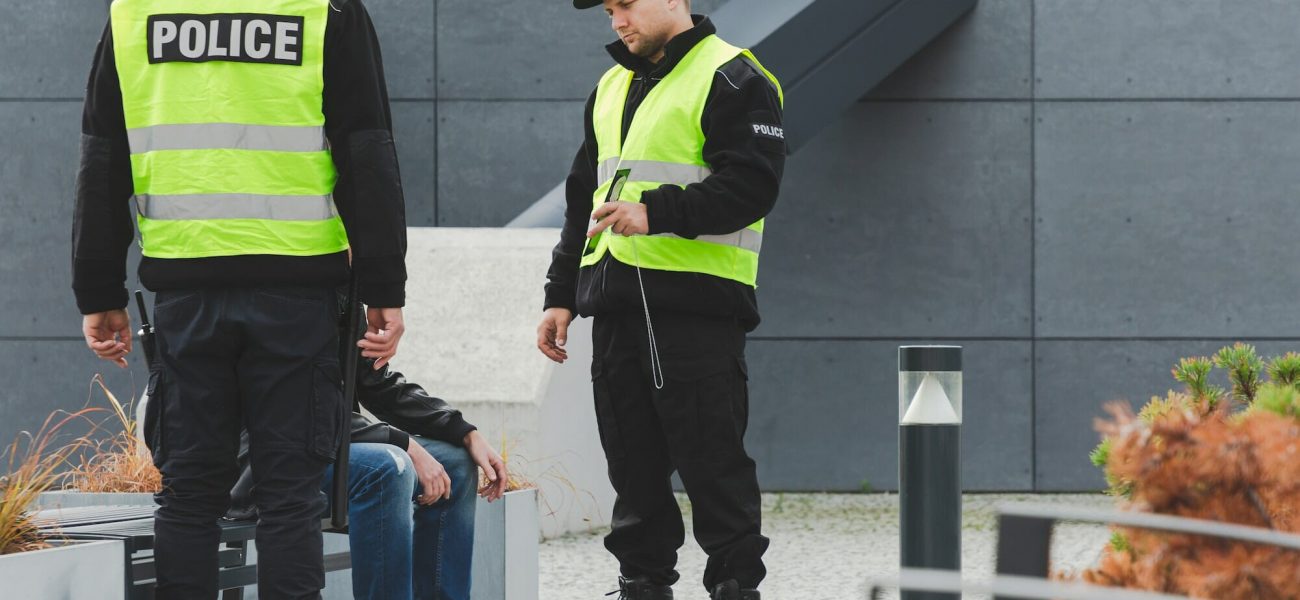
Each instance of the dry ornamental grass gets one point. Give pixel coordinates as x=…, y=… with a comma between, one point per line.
x=119, y=463
x=40, y=462
x=35, y=466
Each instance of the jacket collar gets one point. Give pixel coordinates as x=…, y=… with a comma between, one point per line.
x=673, y=52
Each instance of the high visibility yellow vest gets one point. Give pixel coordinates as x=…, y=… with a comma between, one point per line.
x=222, y=101
x=665, y=145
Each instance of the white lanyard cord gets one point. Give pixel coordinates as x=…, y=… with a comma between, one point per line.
x=656, y=367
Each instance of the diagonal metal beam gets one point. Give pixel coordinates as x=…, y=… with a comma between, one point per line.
x=827, y=54
x=830, y=53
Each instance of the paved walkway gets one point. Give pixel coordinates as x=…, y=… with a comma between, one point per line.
x=824, y=546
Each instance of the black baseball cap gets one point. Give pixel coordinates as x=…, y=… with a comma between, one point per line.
x=586, y=3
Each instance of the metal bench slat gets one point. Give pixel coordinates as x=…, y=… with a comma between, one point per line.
x=53, y=518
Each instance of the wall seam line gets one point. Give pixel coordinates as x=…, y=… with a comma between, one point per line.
x=1033, y=246
x=437, y=123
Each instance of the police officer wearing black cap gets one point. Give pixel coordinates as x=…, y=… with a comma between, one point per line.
x=682, y=160
x=256, y=142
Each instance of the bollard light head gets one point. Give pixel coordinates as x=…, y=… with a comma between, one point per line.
x=929, y=385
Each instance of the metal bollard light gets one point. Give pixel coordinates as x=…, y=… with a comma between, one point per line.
x=929, y=460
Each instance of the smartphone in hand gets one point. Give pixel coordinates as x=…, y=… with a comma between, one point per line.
x=615, y=190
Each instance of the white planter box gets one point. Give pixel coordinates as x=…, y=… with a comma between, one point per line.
x=74, y=499
x=505, y=548
x=69, y=571
x=505, y=552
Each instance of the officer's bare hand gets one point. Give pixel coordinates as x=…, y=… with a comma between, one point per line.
x=553, y=333
x=384, y=329
x=623, y=218
x=108, y=335
x=487, y=459
x=435, y=484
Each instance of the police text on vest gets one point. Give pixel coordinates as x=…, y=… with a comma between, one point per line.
x=245, y=37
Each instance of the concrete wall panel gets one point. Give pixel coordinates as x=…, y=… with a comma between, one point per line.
x=824, y=415
x=496, y=158
x=39, y=152
x=986, y=54
x=48, y=47
x=406, y=36
x=1160, y=49
x=415, y=133
x=520, y=49
x=1076, y=378
x=1167, y=219
x=906, y=219
x=47, y=375
x=1157, y=217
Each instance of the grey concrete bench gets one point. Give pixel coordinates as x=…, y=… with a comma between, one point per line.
x=133, y=526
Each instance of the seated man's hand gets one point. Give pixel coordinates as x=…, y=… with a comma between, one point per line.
x=435, y=484
x=490, y=462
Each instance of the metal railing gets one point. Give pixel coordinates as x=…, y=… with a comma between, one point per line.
x=1024, y=554
x=939, y=581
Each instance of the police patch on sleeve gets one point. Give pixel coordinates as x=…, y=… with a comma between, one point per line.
x=768, y=135
x=241, y=37
x=768, y=131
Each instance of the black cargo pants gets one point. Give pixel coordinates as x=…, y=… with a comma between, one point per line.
x=265, y=359
x=694, y=425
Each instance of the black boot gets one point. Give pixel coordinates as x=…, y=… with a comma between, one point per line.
x=640, y=589
x=730, y=590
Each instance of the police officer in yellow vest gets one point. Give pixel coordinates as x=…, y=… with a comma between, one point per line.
x=682, y=160
x=255, y=138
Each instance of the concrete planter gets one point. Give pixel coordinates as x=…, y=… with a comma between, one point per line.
x=479, y=284
x=505, y=548
x=69, y=571
x=74, y=499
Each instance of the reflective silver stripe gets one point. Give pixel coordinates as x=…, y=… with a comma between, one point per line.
x=664, y=172
x=745, y=239
x=209, y=136
x=605, y=170
x=235, y=206
x=652, y=170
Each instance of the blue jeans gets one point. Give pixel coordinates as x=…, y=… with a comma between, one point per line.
x=400, y=549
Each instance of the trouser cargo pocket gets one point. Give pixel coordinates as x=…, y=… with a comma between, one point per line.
x=611, y=439
x=326, y=412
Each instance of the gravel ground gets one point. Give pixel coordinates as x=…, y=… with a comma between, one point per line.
x=823, y=546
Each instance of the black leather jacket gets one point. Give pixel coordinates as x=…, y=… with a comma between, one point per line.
x=403, y=408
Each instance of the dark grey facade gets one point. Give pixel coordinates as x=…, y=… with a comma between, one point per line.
x=1077, y=191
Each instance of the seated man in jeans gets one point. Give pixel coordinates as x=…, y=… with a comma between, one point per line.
x=421, y=451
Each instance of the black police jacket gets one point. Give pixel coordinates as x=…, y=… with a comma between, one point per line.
x=403, y=408
x=747, y=164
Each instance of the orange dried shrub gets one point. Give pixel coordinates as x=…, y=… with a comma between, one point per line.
x=1207, y=454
